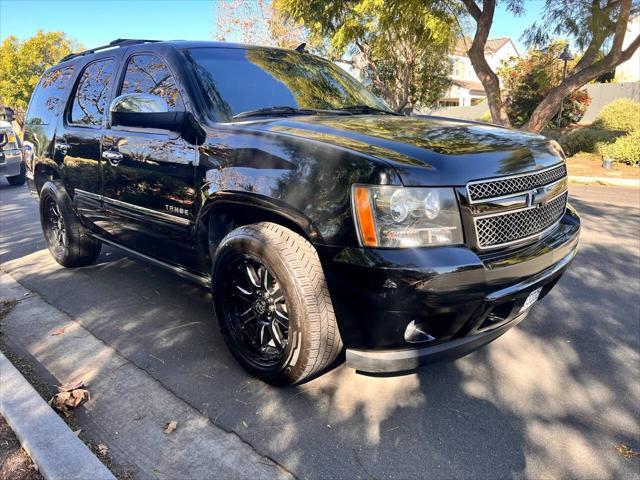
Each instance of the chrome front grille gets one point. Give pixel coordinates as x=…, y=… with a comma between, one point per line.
x=502, y=229
x=482, y=190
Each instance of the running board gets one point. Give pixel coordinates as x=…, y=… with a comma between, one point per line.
x=205, y=281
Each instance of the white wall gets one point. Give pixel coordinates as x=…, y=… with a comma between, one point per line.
x=629, y=71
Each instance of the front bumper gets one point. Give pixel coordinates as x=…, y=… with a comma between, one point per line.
x=461, y=298
x=10, y=161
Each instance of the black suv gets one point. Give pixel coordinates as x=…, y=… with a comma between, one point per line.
x=319, y=217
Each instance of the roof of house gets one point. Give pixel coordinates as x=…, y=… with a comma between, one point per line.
x=469, y=85
x=492, y=45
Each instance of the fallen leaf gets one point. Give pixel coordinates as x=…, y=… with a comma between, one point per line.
x=60, y=331
x=69, y=396
x=245, y=424
x=102, y=449
x=77, y=432
x=625, y=451
x=67, y=387
x=170, y=426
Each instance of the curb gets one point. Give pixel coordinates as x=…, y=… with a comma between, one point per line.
x=618, y=182
x=55, y=449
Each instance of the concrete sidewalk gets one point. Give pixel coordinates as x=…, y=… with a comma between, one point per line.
x=618, y=182
x=55, y=449
x=128, y=408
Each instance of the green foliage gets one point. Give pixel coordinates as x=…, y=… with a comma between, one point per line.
x=22, y=63
x=401, y=47
x=622, y=115
x=485, y=117
x=625, y=149
x=585, y=140
x=527, y=81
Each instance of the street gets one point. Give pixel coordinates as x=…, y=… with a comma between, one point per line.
x=551, y=398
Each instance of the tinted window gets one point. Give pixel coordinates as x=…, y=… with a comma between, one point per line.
x=238, y=80
x=92, y=93
x=149, y=74
x=48, y=97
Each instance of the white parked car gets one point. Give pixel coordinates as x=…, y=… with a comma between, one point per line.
x=11, y=165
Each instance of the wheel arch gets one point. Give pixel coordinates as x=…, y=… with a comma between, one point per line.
x=227, y=211
x=44, y=172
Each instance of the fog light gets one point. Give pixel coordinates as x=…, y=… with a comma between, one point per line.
x=415, y=334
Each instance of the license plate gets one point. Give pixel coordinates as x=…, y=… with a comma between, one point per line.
x=531, y=299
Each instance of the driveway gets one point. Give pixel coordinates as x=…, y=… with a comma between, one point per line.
x=551, y=398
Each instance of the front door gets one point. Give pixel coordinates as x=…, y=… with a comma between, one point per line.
x=148, y=175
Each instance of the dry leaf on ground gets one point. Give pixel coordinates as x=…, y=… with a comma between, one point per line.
x=102, y=449
x=67, y=387
x=625, y=451
x=57, y=332
x=170, y=426
x=70, y=396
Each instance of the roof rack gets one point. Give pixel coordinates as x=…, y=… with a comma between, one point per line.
x=120, y=42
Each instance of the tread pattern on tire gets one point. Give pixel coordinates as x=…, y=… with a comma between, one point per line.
x=303, y=259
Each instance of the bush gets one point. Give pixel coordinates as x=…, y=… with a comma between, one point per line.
x=585, y=140
x=485, y=117
x=625, y=149
x=622, y=115
x=527, y=81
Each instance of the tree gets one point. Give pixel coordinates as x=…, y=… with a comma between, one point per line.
x=528, y=79
x=597, y=26
x=255, y=22
x=400, y=46
x=23, y=62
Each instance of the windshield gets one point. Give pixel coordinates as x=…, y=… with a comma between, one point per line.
x=239, y=80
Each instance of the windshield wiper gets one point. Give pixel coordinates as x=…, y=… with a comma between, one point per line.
x=355, y=109
x=279, y=110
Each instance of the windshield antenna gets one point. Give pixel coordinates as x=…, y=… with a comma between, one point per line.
x=300, y=48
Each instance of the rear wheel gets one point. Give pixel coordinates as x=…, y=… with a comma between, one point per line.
x=66, y=238
x=17, y=180
x=273, y=304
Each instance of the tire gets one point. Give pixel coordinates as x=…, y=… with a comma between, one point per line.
x=310, y=340
x=66, y=238
x=20, y=179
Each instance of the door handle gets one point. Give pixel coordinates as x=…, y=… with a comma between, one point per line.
x=61, y=147
x=112, y=157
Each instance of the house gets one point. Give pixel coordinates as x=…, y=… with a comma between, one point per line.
x=629, y=71
x=467, y=89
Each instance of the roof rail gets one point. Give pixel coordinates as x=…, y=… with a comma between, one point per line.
x=120, y=42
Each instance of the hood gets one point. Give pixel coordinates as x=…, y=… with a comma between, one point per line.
x=426, y=150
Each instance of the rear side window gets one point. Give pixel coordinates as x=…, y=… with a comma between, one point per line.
x=48, y=97
x=149, y=74
x=92, y=93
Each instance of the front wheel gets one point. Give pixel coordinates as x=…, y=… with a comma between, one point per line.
x=273, y=304
x=66, y=238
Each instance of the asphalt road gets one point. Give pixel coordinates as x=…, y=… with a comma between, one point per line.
x=551, y=398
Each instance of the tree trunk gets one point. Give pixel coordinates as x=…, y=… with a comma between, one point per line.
x=550, y=105
x=490, y=81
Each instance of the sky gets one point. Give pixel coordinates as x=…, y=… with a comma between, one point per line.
x=94, y=22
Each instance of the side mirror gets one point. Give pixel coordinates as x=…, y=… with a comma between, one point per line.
x=145, y=111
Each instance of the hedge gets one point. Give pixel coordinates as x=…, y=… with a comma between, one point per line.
x=585, y=140
x=625, y=149
x=620, y=115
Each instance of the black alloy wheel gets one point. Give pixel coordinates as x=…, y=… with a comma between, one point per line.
x=55, y=228
x=256, y=310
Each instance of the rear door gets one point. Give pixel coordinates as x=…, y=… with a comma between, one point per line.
x=77, y=144
x=149, y=188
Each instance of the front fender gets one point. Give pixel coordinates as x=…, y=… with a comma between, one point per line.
x=260, y=206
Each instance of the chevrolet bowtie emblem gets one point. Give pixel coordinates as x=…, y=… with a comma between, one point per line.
x=539, y=196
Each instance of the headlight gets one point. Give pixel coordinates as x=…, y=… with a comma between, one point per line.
x=401, y=217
